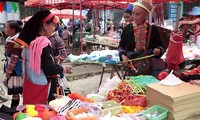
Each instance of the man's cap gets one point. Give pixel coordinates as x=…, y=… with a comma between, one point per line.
x=143, y=4
x=129, y=8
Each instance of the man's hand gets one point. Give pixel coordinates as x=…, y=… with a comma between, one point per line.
x=156, y=51
x=124, y=58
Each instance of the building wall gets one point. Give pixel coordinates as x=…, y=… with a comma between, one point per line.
x=8, y=11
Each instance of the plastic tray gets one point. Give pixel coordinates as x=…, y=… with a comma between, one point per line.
x=111, y=106
x=155, y=112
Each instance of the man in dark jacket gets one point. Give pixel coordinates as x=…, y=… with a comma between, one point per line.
x=134, y=37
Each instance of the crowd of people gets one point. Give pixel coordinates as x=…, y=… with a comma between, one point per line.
x=40, y=47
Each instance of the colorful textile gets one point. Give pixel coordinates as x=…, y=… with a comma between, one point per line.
x=15, y=84
x=36, y=47
x=140, y=33
x=58, y=47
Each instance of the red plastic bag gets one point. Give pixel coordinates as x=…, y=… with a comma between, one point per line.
x=175, y=52
x=80, y=97
x=135, y=100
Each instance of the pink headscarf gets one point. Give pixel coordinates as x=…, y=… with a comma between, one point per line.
x=36, y=47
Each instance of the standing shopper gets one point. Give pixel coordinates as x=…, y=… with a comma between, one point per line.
x=40, y=66
x=66, y=36
x=13, y=68
x=60, y=53
x=58, y=47
x=134, y=38
x=128, y=15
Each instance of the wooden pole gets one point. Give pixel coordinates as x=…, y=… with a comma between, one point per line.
x=150, y=14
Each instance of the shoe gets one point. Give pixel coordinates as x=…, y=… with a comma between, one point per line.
x=4, y=116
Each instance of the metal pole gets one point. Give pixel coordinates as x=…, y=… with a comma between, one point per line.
x=73, y=35
x=81, y=31
x=105, y=19
x=177, y=18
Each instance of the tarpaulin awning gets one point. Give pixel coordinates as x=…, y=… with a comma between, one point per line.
x=44, y=3
x=107, y=4
x=85, y=4
x=160, y=1
x=67, y=13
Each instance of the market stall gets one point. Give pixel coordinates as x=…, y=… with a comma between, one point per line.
x=104, y=58
x=135, y=97
x=139, y=97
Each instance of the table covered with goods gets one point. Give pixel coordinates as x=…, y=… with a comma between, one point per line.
x=133, y=98
x=93, y=42
x=117, y=99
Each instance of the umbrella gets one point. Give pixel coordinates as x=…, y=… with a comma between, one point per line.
x=67, y=13
x=45, y=3
x=26, y=19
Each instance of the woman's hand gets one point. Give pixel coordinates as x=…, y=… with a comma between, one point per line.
x=156, y=51
x=67, y=69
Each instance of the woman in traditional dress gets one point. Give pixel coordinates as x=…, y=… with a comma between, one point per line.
x=40, y=67
x=13, y=65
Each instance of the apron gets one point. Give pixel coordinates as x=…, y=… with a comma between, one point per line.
x=34, y=93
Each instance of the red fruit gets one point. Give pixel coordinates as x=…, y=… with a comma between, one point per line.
x=162, y=75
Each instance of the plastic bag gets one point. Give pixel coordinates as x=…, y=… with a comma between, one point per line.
x=71, y=114
x=110, y=84
x=171, y=80
x=135, y=100
x=63, y=83
x=175, y=53
x=143, y=79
